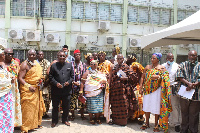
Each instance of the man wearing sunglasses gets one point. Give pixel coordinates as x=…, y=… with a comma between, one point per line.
x=61, y=76
x=13, y=67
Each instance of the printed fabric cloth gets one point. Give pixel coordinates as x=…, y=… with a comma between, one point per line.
x=105, y=68
x=151, y=86
x=13, y=68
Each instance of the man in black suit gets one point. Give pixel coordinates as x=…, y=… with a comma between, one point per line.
x=61, y=76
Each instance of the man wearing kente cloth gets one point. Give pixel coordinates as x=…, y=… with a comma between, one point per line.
x=32, y=103
x=13, y=67
x=155, y=86
x=104, y=67
x=46, y=90
x=122, y=97
x=137, y=71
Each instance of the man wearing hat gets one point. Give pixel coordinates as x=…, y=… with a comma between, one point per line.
x=79, y=68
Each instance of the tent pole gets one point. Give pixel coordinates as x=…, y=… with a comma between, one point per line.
x=175, y=4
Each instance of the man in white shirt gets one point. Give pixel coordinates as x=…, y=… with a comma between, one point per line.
x=172, y=68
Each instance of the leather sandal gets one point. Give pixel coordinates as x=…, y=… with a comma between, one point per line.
x=71, y=118
x=99, y=122
x=92, y=122
x=144, y=126
x=156, y=129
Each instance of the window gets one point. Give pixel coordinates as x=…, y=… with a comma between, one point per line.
x=181, y=15
x=21, y=8
x=60, y=8
x=77, y=10
x=132, y=14
x=2, y=7
x=90, y=11
x=116, y=13
x=143, y=15
x=155, y=16
x=166, y=17
x=103, y=11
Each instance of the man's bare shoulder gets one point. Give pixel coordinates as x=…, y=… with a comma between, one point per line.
x=23, y=65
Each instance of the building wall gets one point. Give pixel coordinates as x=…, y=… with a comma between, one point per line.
x=144, y=17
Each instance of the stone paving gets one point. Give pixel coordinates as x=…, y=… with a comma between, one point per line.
x=83, y=126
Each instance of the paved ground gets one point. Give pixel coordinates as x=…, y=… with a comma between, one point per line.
x=83, y=126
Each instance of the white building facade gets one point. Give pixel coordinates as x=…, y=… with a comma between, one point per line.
x=90, y=25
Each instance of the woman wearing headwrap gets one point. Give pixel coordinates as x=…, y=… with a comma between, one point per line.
x=88, y=58
x=154, y=85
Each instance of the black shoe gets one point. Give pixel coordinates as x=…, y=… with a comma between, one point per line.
x=177, y=128
x=53, y=125
x=45, y=116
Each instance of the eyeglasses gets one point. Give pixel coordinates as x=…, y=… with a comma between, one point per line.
x=9, y=53
x=61, y=55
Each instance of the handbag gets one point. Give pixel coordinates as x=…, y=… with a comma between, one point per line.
x=82, y=99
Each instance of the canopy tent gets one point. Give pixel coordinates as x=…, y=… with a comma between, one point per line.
x=3, y=43
x=184, y=32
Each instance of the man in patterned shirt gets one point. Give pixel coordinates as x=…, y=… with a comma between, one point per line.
x=79, y=68
x=46, y=93
x=189, y=75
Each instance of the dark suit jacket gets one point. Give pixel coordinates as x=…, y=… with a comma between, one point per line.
x=60, y=74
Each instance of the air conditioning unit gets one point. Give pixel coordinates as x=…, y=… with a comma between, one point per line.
x=82, y=39
x=52, y=38
x=15, y=33
x=134, y=42
x=104, y=25
x=3, y=43
x=110, y=40
x=33, y=35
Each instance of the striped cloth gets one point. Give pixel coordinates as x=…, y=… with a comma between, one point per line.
x=95, y=104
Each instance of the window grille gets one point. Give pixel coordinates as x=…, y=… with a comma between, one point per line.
x=116, y=13
x=77, y=10
x=2, y=7
x=46, y=8
x=60, y=8
x=189, y=13
x=155, y=16
x=143, y=15
x=181, y=15
x=90, y=11
x=103, y=11
x=23, y=8
x=132, y=14
x=166, y=17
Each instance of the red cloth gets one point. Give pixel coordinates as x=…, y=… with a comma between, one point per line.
x=17, y=60
x=76, y=51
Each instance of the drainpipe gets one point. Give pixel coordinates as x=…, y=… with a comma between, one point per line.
x=175, y=4
x=68, y=25
x=124, y=28
x=7, y=19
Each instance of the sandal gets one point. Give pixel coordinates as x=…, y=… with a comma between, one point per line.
x=83, y=118
x=110, y=123
x=92, y=122
x=99, y=122
x=156, y=129
x=71, y=118
x=141, y=121
x=144, y=126
x=40, y=127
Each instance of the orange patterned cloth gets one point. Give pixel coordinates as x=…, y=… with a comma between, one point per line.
x=32, y=102
x=151, y=86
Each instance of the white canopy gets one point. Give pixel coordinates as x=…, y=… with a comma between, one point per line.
x=184, y=32
x=3, y=43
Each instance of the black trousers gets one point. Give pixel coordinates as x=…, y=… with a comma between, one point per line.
x=65, y=105
x=190, y=115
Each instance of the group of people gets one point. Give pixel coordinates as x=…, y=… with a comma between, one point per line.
x=119, y=89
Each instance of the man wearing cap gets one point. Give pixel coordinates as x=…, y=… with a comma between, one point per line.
x=79, y=68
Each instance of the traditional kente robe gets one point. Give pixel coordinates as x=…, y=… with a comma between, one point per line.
x=151, y=86
x=32, y=103
x=13, y=68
